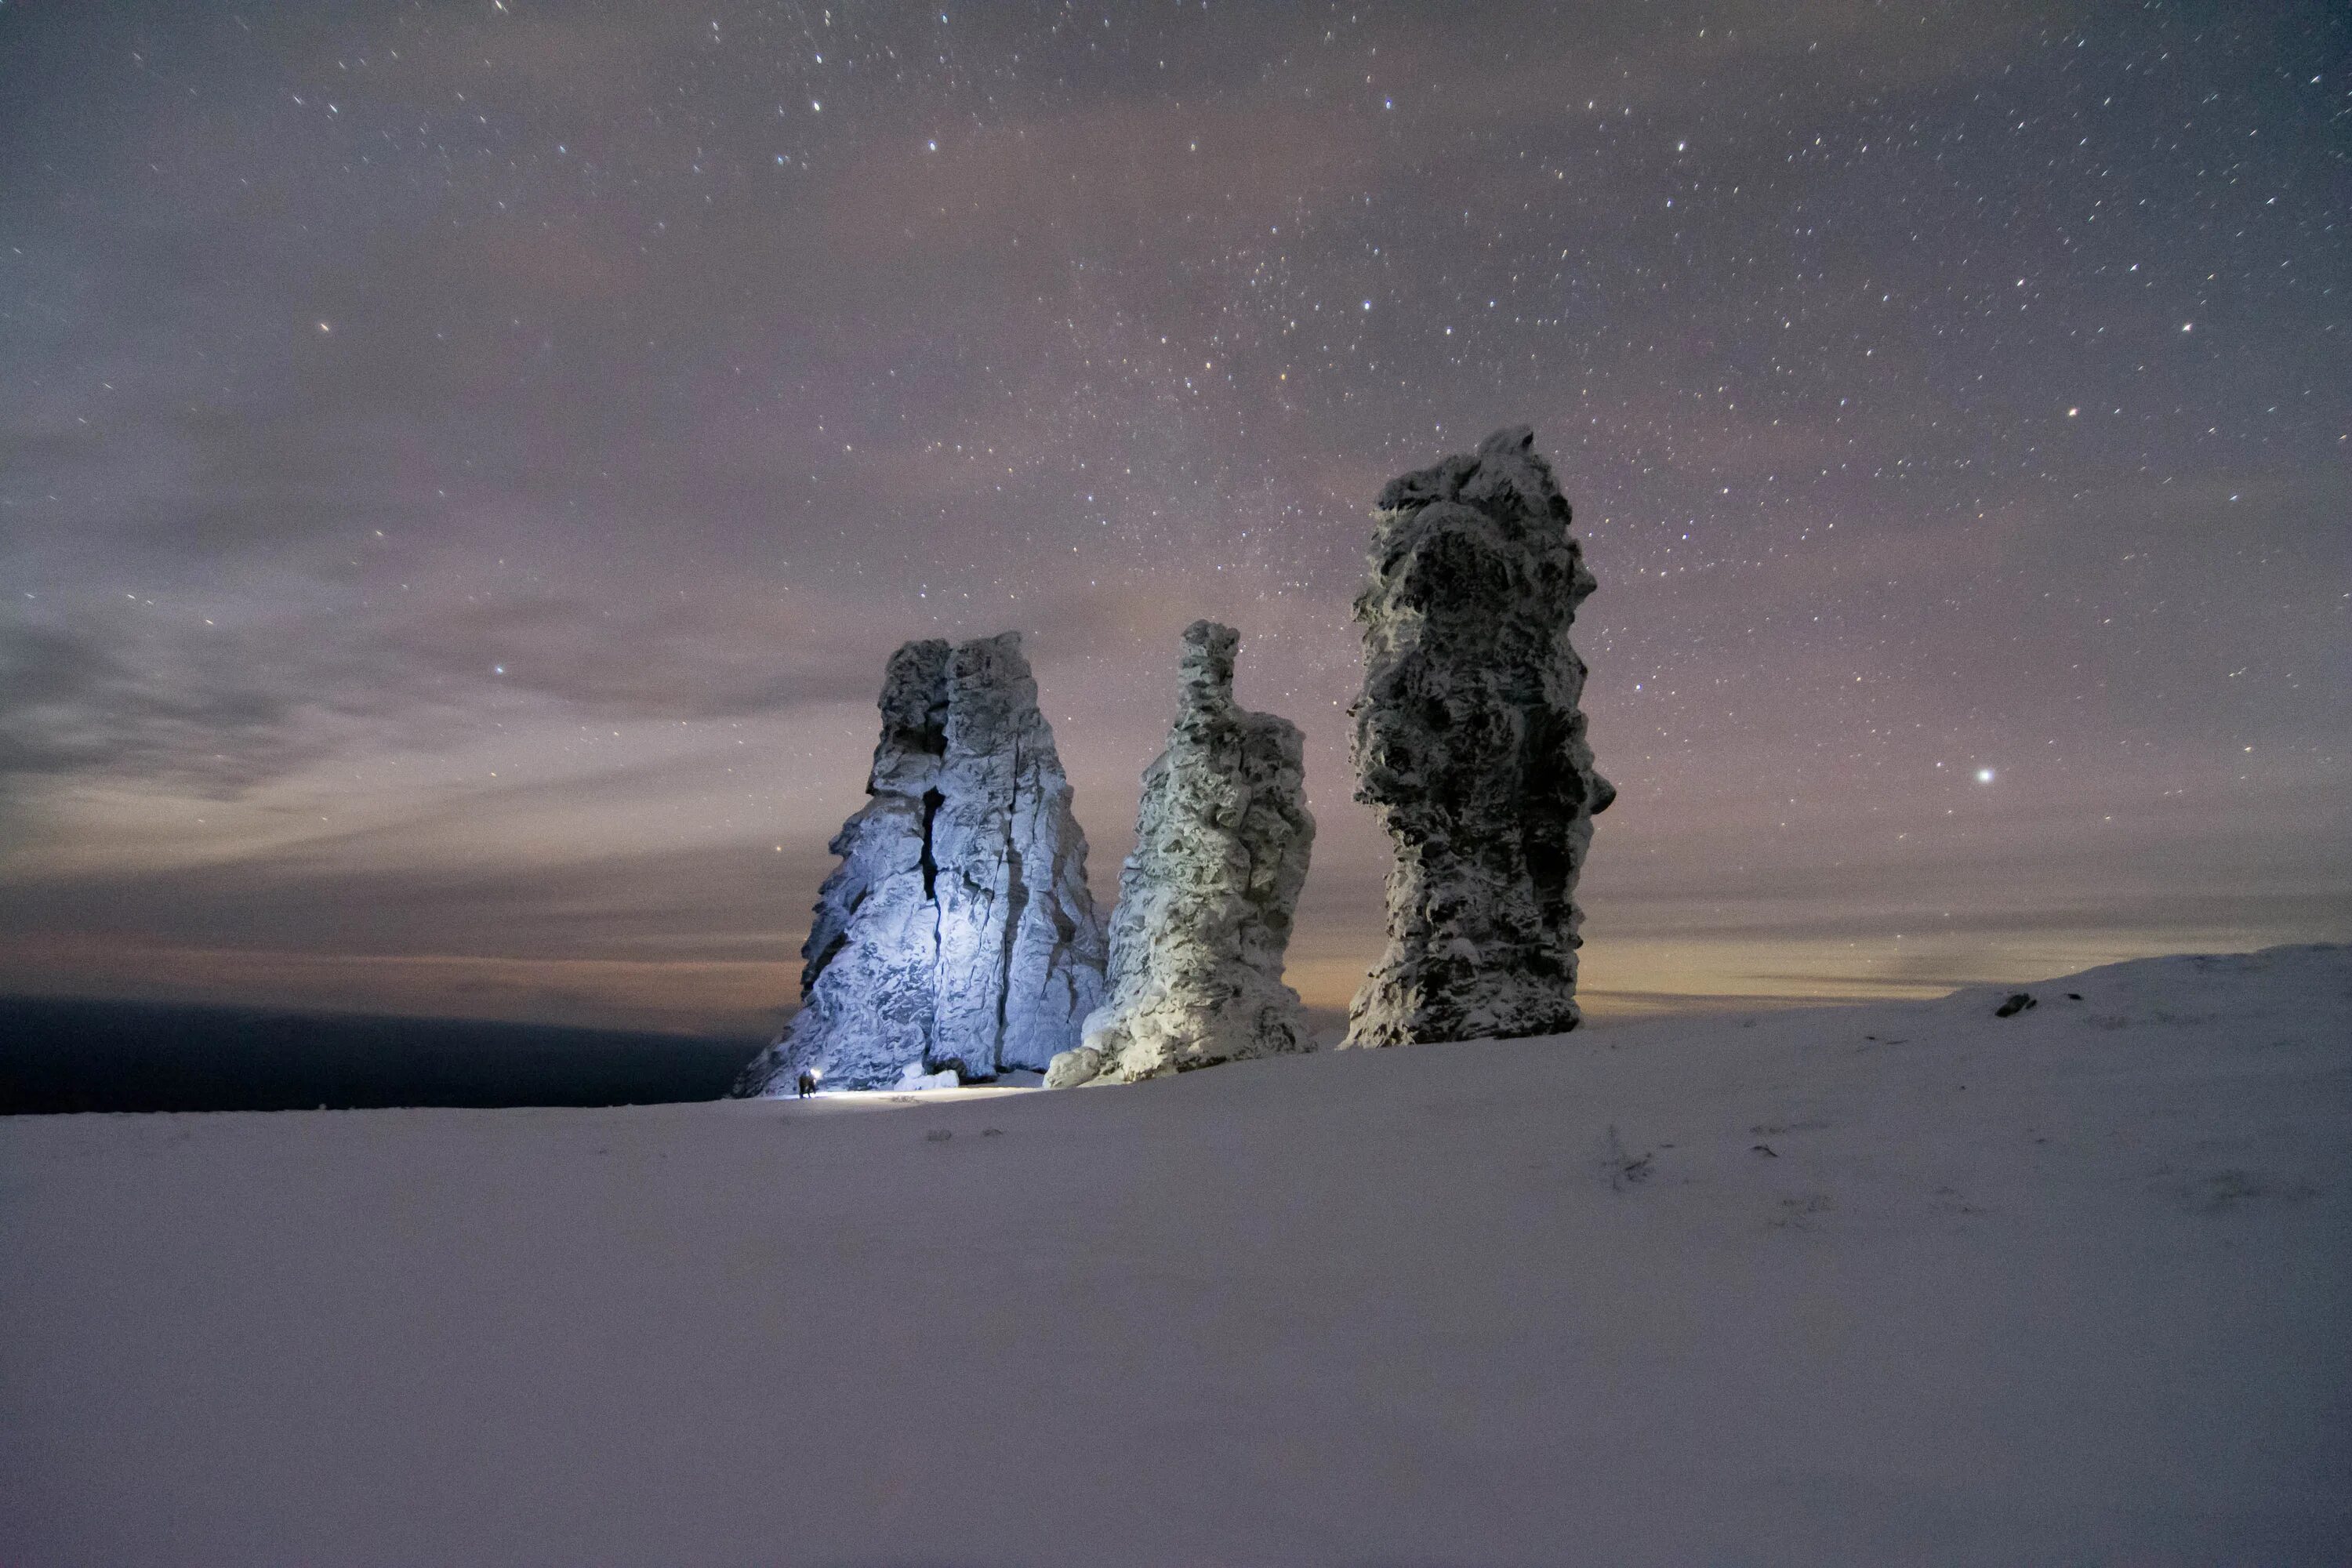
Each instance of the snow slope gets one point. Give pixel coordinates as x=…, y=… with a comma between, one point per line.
x=2072, y=1286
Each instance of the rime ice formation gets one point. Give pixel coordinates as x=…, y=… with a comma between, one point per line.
x=957, y=934
x=1204, y=903
x=1470, y=748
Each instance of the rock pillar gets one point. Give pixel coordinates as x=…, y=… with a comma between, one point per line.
x=1469, y=746
x=958, y=932
x=1222, y=838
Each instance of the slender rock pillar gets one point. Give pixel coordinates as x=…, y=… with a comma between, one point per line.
x=1222, y=838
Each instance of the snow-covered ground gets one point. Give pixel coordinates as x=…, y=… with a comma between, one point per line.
x=1886, y=1284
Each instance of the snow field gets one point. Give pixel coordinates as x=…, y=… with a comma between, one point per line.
x=1892, y=1283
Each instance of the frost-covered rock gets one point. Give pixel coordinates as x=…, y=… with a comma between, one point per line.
x=867, y=981
x=1079, y=1065
x=1470, y=747
x=1021, y=947
x=957, y=934
x=1204, y=909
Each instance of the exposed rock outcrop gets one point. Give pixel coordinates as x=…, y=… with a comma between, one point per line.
x=1470, y=747
x=958, y=932
x=1204, y=907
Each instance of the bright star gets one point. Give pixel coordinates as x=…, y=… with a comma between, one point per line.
x=1984, y=776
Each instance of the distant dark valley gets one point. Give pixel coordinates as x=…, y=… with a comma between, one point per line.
x=72, y=1055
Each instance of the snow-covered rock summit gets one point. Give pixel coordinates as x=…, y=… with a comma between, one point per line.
x=958, y=932
x=1470, y=747
x=1222, y=838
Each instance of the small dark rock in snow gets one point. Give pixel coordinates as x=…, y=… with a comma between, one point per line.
x=938, y=1135
x=1767, y=1150
x=2018, y=1003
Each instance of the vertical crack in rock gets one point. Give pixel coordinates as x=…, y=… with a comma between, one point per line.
x=1470, y=748
x=1204, y=910
x=928, y=950
x=932, y=800
x=1016, y=902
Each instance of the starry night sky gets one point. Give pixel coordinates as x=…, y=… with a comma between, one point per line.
x=464, y=465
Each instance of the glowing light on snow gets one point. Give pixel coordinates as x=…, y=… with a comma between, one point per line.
x=1984, y=776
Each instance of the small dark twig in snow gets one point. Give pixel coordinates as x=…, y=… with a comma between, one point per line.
x=1624, y=1170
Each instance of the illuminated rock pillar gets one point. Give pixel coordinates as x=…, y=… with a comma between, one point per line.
x=958, y=931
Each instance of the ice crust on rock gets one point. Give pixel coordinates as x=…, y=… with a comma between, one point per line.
x=957, y=934
x=1206, y=902
x=1470, y=747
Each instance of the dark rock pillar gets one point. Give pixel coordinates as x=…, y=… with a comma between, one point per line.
x=1469, y=746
